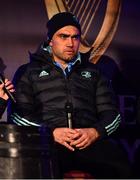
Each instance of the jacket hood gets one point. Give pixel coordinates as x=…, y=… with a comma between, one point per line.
x=41, y=54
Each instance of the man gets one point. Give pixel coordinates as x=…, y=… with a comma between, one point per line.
x=62, y=90
x=3, y=94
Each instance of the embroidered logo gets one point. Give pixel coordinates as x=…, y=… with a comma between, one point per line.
x=86, y=74
x=43, y=73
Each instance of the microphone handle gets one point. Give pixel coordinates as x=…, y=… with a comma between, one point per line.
x=9, y=95
x=69, y=110
x=69, y=120
x=6, y=90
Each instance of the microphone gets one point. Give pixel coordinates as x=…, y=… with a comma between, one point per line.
x=69, y=109
x=2, y=78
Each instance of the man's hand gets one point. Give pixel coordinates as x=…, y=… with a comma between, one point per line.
x=9, y=86
x=65, y=136
x=75, y=138
x=87, y=136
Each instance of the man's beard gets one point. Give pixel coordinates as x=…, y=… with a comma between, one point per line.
x=68, y=59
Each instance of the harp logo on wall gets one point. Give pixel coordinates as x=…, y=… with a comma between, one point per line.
x=102, y=15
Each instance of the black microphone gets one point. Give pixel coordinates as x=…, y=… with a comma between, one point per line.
x=69, y=110
x=10, y=95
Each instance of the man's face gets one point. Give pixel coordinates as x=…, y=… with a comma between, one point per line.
x=65, y=44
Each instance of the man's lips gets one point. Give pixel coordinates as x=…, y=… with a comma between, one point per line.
x=69, y=51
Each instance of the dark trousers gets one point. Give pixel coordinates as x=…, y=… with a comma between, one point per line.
x=103, y=159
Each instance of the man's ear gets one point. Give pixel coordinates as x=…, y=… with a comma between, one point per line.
x=50, y=43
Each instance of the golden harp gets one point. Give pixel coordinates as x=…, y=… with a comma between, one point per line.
x=86, y=11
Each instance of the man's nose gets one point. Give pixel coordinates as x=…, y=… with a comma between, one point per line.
x=70, y=41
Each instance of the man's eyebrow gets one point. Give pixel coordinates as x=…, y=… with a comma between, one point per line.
x=67, y=35
x=63, y=34
x=76, y=35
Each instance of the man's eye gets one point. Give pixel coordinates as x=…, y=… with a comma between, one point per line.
x=63, y=36
x=76, y=37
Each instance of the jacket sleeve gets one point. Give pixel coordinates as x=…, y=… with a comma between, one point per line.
x=3, y=104
x=107, y=109
x=23, y=111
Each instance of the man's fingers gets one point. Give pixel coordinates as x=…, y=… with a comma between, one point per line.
x=66, y=144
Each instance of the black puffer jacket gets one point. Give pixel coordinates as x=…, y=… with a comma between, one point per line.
x=42, y=91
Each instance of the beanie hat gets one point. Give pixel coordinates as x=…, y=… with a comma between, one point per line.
x=60, y=20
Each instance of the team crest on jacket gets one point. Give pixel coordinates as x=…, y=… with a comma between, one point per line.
x=86, y=74
x=43, y=73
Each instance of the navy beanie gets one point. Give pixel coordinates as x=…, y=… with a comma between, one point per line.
x=60, y=20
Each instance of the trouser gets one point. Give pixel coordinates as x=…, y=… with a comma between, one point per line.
x=136, y=164
x=103, y=159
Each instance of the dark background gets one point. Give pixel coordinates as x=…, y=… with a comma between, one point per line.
x=23, y=28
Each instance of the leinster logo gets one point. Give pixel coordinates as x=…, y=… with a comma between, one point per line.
x=86, y=74
x=43, y=73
